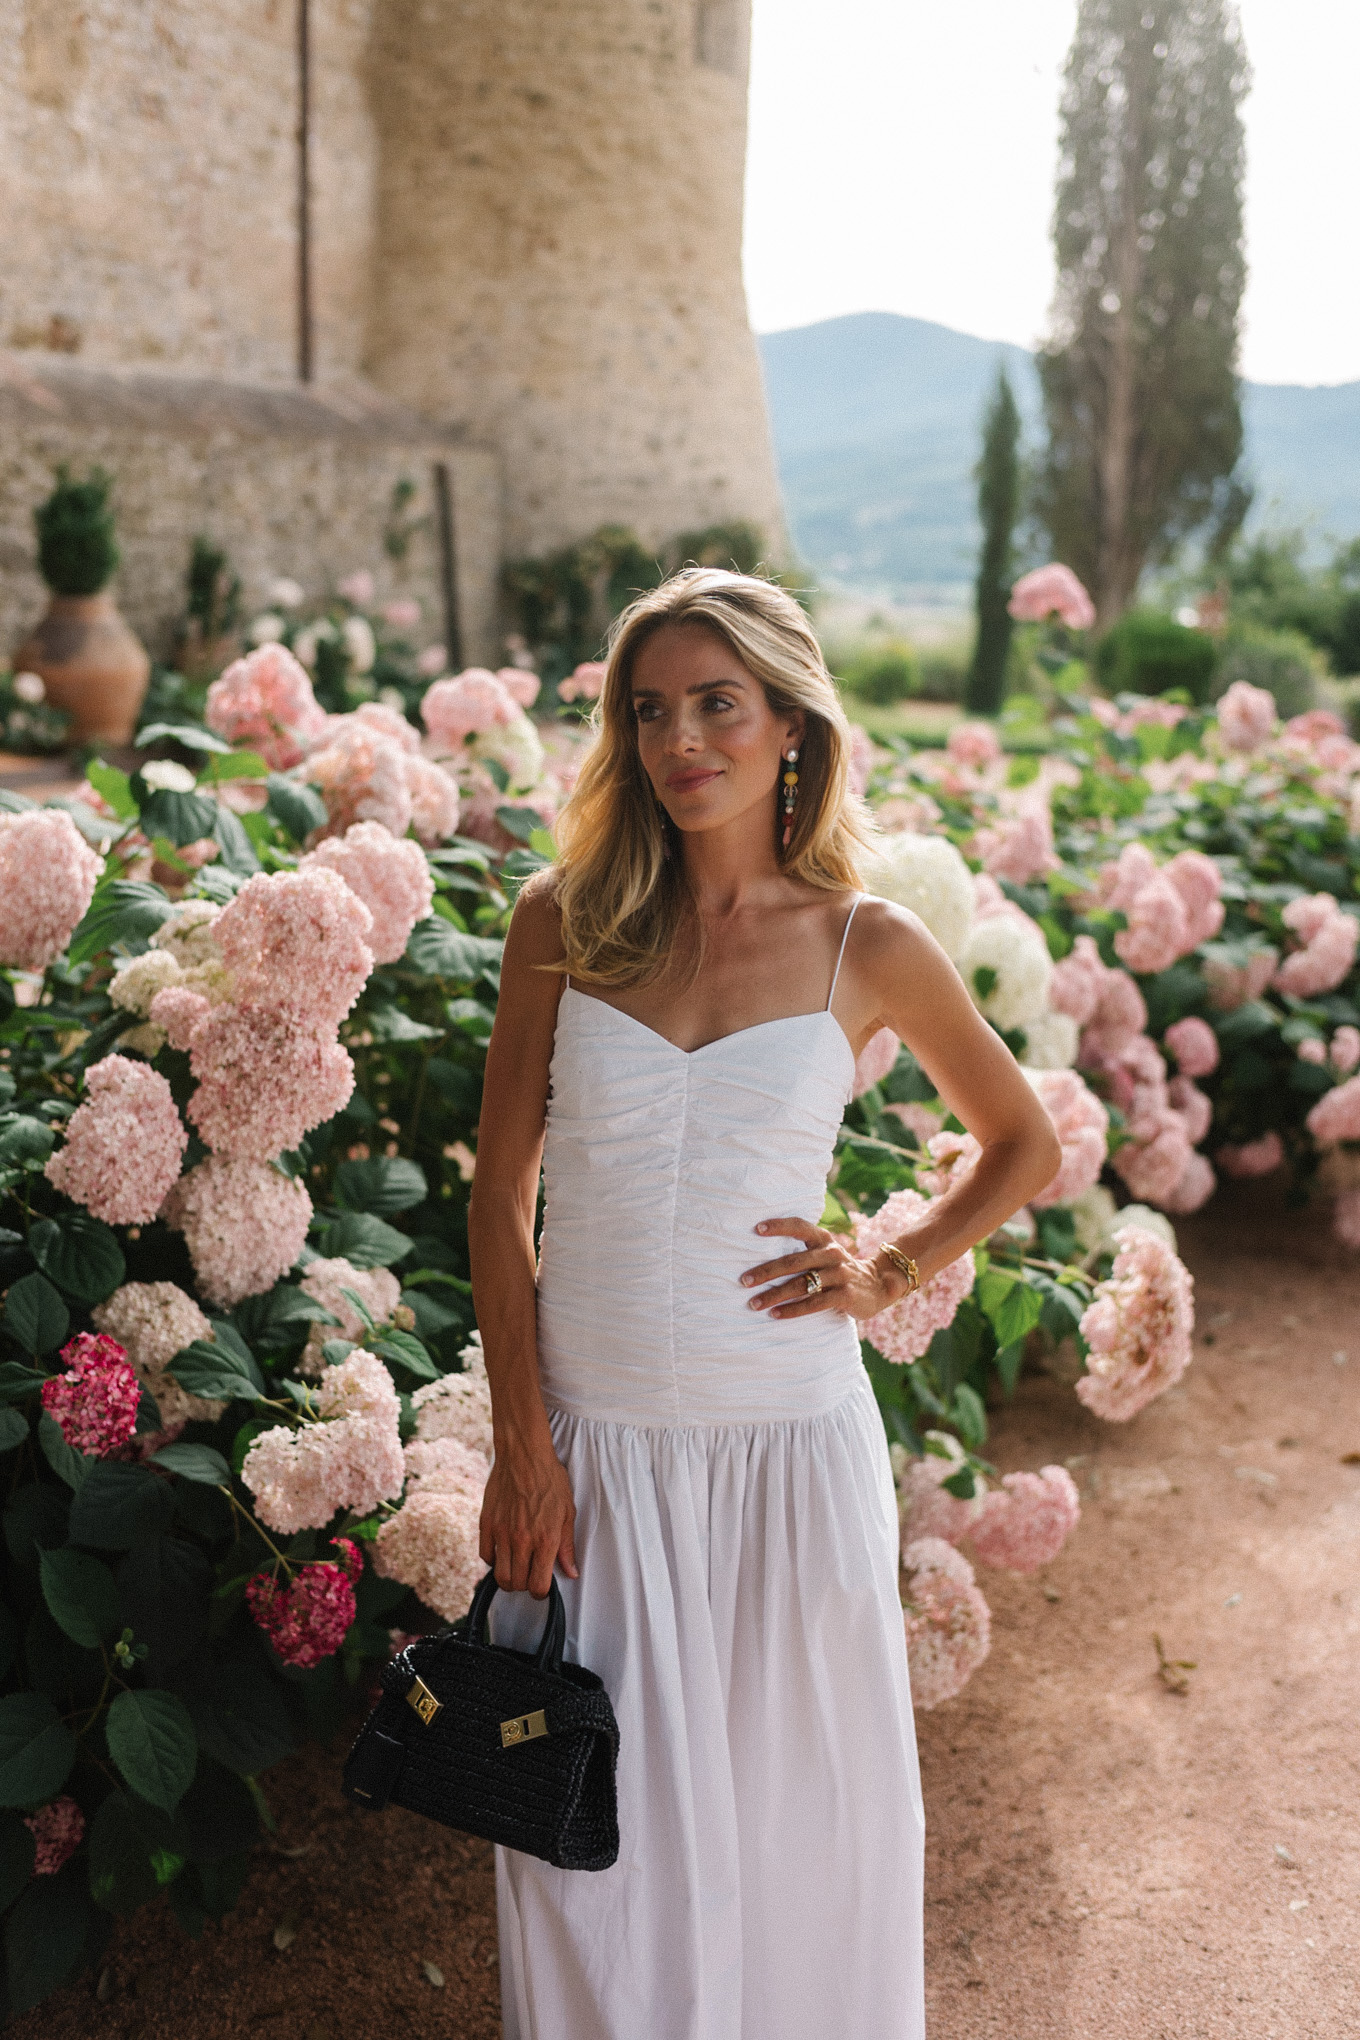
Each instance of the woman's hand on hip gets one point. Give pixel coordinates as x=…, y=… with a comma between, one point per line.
x=528, y=1520
x=845, y=1284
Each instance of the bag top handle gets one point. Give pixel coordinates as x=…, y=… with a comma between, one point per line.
x=548, y=1656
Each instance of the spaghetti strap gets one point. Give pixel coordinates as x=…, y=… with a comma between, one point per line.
x=841, y=952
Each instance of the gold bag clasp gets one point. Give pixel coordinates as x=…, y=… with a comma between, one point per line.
x=523, y=1728
x=422, y=1699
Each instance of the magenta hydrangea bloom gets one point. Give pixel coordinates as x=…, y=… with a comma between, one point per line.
x=95, y=1400
x=1024, y=1523
x=123, y=1146
x=947, y=1621
x=58, y=1829
x=309, y=1619
x=47, y=880
x=904, y=1331
x=1137, y=1327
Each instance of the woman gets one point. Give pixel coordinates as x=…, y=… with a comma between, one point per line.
x=683, y=1426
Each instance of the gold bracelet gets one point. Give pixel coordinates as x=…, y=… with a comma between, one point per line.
x=905, y=1265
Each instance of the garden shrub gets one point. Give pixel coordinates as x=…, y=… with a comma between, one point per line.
x=1283, y=662
x=77, y=549
x=1147, y=652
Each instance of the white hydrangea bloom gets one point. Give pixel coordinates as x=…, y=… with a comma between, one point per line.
x=137, y=983
x=515, y=746
x=1093, y=1215
x=929, y=876
x=1143, y=1218
x=1018, y=970
x=1051, y=1042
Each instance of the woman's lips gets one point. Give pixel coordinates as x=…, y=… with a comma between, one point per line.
x=688, y=782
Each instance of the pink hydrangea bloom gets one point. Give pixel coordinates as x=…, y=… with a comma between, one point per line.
x=520, y=684
x=390, y=875
x=352, y=1459
x=457, y=1405
x=298, y=939
x=973, y=744
x=1329, y=936
x=325, y=1282
x=1153, y=1168
x=177, y=1010
x=875, y=1060
x=357, y=588
x=953, y=1158
x=1157, y=930
x=155, y=1321
x=1246, y=717
x=1053, y=590
x=1253, y=1157
x=244, y=1225
x=362, y=773
x=948, y=1623
x=1312, y=1049
x=1345, y=1050
x=1020, y=847
x=58, y=1829
x=265, y=1078
x=1081, y=1124
x=1336, y=1116
x=467, y=705
x=431, y=1543
x=1118, y=1020
x=585, y=683
x=1195, y=1046
x=1232, y=985
x=1190, y=1105
x=1195, y=1186
x=47, y=880
x=917, y=1118
x=925, y=1506
x=264, y=702
x=1024, y=1523
x=308, y=1619
x=95, y=1400
x=434, y=801
x=1079, y=981
x=403, y=614
x=124, y=1145
x=1119, y=883
x=1199, y=882
x=1346, y=1218
x=904, y=1331
x=1314, y=724
x=1137, y=1327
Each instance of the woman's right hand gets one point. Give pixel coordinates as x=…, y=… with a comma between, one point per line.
x=528, y=1519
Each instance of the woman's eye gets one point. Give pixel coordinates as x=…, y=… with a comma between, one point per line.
x=718, y=701
x=644, y=710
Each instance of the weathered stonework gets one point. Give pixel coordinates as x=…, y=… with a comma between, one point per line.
x=526, y=231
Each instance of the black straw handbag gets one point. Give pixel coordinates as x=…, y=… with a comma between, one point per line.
x=512, y=1745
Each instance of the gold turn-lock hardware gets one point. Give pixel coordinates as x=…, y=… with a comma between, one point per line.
x=422, y=1699
x=523, y=1728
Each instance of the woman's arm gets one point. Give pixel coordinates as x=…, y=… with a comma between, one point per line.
x=902, y=979
x=528, y=1512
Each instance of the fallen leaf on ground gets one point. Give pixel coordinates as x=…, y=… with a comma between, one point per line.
x=434, y=1973
x=1172, y=1671
x=285, y=1933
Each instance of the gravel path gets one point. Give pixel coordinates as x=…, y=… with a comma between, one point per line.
x=1108, y=1857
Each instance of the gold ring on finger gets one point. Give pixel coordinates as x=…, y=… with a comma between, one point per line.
x=812, y=1282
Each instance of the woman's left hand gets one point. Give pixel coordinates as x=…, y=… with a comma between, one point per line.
x=852, y=1287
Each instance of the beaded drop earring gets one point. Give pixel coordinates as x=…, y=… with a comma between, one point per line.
x=790, y=794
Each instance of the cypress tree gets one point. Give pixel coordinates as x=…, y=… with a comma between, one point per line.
x=998, y=480
x=1139, y=375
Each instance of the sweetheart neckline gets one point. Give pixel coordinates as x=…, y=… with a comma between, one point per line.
x=784, y=1020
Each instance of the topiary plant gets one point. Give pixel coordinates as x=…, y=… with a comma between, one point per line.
x=77, y=549
x=1147, y=653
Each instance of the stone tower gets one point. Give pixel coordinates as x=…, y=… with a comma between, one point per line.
x=523, y=230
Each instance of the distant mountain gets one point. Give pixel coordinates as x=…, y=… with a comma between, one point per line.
x=876, y=425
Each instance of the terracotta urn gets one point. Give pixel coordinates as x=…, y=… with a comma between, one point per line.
x=91, y=664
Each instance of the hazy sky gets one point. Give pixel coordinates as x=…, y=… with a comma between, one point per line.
x=902, y=154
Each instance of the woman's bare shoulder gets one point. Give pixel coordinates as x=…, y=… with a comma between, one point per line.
x=536, y=924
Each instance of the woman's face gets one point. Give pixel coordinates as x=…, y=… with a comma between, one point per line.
x=708, y=739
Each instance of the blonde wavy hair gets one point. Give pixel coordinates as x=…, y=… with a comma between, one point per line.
x=619, y=878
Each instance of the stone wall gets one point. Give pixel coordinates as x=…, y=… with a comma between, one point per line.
x=289, y=481
x=559, y=254
x=526, y=225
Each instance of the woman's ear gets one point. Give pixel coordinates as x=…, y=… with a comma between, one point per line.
x=794, y=731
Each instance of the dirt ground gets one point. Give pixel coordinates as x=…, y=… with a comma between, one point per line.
x=1108, y=1858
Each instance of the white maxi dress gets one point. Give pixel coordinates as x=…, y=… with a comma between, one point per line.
x=736, y=1536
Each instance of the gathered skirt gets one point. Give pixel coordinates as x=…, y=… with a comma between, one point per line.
x=738, y=1596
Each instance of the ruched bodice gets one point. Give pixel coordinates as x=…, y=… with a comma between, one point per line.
x=658, y=1165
